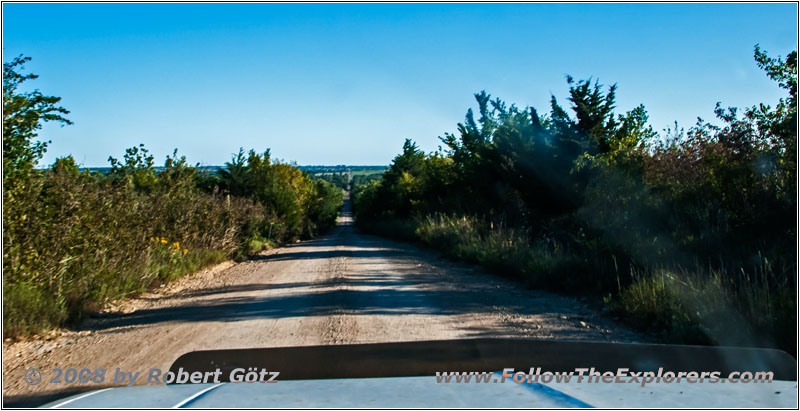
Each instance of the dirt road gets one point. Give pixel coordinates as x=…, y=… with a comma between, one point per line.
x=344, y=287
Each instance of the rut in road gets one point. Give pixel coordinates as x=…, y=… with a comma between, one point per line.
x=344, y=287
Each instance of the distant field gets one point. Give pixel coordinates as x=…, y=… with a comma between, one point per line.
x=320, y=171
x=368, y=172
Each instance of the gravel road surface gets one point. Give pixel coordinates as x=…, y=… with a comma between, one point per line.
x=344, y=287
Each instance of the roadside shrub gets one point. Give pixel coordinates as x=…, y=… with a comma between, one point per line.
x=691, y=234
x=76, y=240
x=303, y=207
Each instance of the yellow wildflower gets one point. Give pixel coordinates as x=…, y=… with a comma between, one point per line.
x=163, y=241
x=184, y=251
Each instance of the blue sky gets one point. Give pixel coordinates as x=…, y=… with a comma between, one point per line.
x=346, y=83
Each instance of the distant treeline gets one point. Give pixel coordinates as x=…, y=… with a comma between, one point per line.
x=106, y=170
x=343, y=169
x=75, y=240
x=690, y=234
x=340, y=175
x=309, y=169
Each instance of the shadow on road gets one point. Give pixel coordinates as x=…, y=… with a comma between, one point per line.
x=383, y=278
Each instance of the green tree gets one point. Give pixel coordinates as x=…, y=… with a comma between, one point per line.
x=234, y=176
x=23, y=116
x=136, y=169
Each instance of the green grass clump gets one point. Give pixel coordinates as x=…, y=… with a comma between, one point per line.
x=698, y=307
x=75, y=241
x=505, y=251
x=705, y=307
